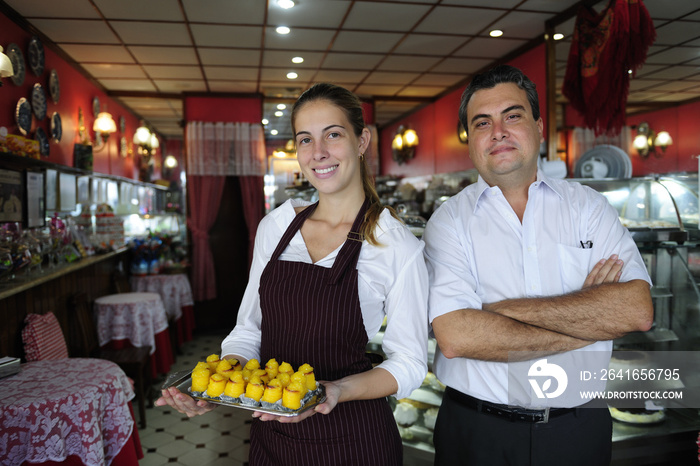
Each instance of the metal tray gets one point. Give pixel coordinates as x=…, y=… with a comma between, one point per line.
x=183, y=381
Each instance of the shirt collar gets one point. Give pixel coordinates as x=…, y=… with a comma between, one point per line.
x=483, y=188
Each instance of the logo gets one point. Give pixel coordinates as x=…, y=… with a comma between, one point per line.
x=542, y=370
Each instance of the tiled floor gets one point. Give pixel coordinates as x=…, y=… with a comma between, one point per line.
x=217, y=438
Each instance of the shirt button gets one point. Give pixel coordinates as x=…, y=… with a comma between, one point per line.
x=529, y=249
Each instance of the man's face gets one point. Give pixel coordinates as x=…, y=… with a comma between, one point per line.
x=504, y=139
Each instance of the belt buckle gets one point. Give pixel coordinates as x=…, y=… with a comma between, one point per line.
x=545, y=416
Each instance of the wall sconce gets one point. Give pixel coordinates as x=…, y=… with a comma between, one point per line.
x=6, y=69
x=104, y=126
x=169, y=165
x=647, y=140
x=462, y=133
x=143, y=138
x=289, y=150
x=403, y=147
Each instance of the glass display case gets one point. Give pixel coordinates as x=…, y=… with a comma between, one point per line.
x=661, y=213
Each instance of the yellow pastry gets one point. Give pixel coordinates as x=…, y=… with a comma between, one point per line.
x=308, y=371
x=301, y=378
x=252, y=365
x=262, y=373
x=200, y=380
x=255, y=388
x=217, y=384
x=287, y=368
x=201, y=365
x=235, y=387
x=272, y=367
x=291, y=397
x=273, y=391
x=283, y=377
x=224, y=368
x=213, y=361
x=235, y=363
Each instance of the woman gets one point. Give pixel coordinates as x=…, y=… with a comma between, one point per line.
x=323, y=279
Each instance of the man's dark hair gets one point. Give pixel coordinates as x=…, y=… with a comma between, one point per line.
x=499, y=75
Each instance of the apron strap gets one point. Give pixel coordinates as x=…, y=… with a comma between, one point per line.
x=350, y=251
x=292, y=230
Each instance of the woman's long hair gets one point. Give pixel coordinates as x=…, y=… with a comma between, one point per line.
x=351, y=105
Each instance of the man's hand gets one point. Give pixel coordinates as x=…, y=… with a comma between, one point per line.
x=605, y=271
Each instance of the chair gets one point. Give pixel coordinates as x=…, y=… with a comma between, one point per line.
x=43, y=338
x=134, y=361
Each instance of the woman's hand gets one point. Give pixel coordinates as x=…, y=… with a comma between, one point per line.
x=183, y=403
x=332, y=395
x=605, y=271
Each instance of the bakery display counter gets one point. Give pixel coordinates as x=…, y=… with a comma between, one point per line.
x=654, y=209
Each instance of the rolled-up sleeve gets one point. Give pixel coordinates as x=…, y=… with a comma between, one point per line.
x=405, y=340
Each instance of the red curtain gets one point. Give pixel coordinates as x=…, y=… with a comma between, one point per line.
x=605, y=47
x=205, y=195
x=253, y=207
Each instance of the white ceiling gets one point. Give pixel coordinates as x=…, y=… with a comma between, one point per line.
x=400, y=54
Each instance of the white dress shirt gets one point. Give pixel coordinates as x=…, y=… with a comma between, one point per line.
x=393, y=283
x=477, y=251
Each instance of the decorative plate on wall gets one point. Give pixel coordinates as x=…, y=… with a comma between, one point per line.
x=54, y=86
x=39, y=101
x=56, y=127
x=17, y=59
x=40, y=135
x=36, y=56
x=123, y=147
x=95, y=107
x=23, y=115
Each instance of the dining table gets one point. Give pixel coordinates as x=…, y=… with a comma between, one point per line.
x=70, y=411
x=135, y=319
x=176, y=293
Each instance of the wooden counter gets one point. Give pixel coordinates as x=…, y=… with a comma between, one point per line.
x=51, y=292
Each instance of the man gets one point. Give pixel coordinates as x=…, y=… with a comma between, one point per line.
x=520, y=262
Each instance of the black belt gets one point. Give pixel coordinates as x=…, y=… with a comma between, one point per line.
x=512, y=413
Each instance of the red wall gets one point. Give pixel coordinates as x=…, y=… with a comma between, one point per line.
x=681, y=123
x=76, y=92
x=439, y=149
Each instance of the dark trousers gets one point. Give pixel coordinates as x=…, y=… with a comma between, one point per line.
x=464, y=436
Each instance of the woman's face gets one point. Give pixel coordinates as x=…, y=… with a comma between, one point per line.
x=328, y=150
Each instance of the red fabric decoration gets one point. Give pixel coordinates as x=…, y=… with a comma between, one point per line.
x=43, y=338
x=604, y=48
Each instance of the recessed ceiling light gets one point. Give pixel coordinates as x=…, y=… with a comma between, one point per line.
x=298, y=60
x=286, y=4
x=558, y=36
x=496, y=33
x=281, y=106
x=279, y=113
x=292, y=75
x=265, y=121
x=273, y=132
x=282, y=30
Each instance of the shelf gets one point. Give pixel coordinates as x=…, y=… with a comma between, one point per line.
x=20, y=283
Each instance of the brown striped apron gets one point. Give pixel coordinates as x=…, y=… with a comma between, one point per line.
x=311, y=314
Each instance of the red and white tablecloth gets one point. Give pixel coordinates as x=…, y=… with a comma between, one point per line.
x=136, y=319
x=176, y=293
x=174, y=290
x=74, y=407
